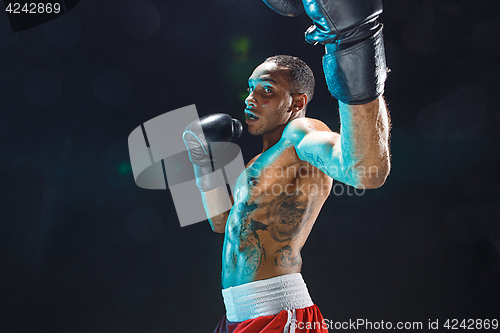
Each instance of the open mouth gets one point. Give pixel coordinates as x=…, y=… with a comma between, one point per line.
x=250, y=115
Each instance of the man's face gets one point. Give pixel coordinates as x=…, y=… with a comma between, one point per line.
x=269, y=103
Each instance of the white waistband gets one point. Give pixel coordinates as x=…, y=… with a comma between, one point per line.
x=266, y=297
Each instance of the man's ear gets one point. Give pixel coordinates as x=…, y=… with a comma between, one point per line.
x=299, y=102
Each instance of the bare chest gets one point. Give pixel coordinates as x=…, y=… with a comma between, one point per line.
x=268, y=176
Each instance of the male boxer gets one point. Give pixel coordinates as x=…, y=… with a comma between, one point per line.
x=279, y=195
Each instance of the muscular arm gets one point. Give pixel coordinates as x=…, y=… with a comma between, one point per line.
x=214, y=202
x=359, y=156
x=364, y=143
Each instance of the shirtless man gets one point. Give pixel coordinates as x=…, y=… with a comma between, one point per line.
x=280, y=194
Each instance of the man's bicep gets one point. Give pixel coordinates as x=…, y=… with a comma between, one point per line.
x=322, y=149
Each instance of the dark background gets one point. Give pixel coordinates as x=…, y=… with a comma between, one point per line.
x=83, y=249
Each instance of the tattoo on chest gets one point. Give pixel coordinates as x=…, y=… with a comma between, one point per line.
x=284, y=257
x=287, y=214
x=253, y=174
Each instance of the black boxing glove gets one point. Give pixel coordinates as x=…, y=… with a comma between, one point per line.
x=354, y=64
x=290, y=8
x=205, y=139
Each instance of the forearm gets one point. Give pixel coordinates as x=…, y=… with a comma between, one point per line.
x=217, y=205
x=220, y=130
x=364, y=143
x=355, y=71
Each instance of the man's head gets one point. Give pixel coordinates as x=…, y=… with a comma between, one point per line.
x=301, y=76
x=280, y=89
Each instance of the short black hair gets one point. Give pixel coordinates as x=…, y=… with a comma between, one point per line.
x=302, y=78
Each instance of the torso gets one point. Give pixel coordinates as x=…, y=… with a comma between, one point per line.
x=276, y=202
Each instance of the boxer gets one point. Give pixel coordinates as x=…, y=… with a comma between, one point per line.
x=278, y=197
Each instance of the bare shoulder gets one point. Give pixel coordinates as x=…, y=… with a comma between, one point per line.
x=298, y=128
x=253, y=160
x=308, y=124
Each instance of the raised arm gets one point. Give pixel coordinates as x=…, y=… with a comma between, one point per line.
x=364, y=143
x=355, y=72
x=358, y=156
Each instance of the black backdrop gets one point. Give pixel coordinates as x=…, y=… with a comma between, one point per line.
x=83, y=249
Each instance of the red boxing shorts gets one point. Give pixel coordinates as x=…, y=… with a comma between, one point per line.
x=280, y=304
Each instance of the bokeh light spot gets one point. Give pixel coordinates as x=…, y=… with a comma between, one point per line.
x=132, y=296
x=43, y=88
x=141, y=19
x=419, y=235
x=63, y=32
x=144, y=225
x=87, y=195
x=90, y=121
x=241, y=46
x=113, y=88
x=459, y=115
x=173, y=23
x=124, y=168
x=243, y=95
x=461, y=224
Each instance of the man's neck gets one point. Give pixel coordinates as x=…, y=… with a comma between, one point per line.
x=270, y=139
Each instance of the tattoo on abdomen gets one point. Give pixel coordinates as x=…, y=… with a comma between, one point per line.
x=284, y=259
x=250, y=246
x=286, y=214
x=244, y=209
